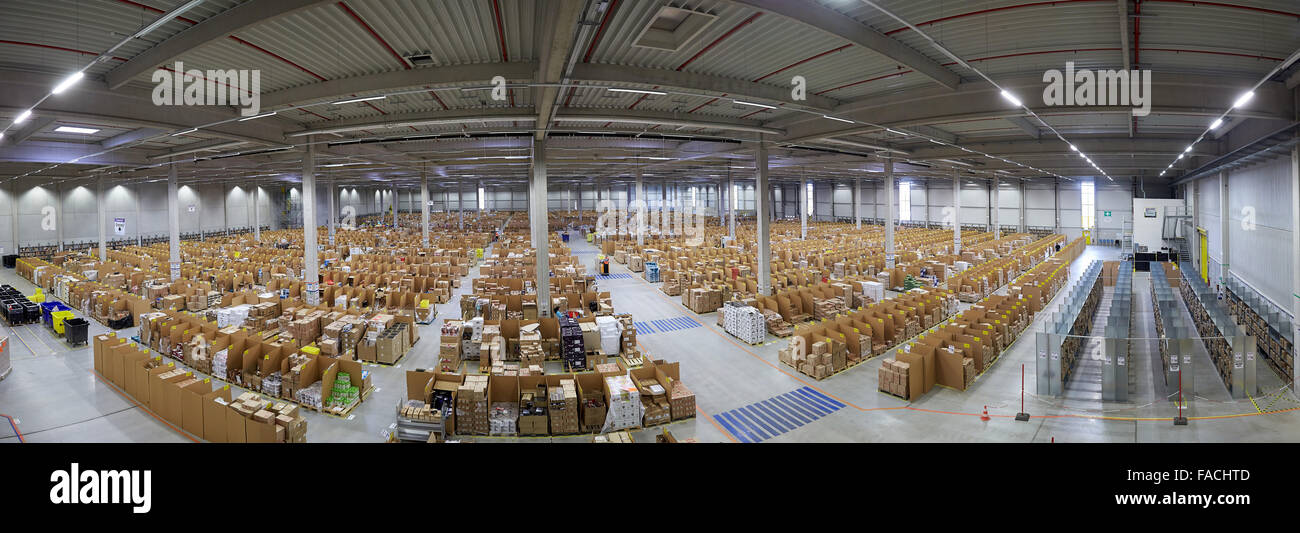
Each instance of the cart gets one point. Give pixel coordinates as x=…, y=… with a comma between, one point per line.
x=76, y=330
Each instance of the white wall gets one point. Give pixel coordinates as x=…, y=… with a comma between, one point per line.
x=1259, y=255
x=1149, y=231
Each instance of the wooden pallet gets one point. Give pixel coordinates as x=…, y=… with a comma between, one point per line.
x=887, y=393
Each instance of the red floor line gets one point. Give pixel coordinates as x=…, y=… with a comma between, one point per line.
x=20, y=434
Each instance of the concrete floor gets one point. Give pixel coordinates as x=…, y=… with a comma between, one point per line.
x=54, y=395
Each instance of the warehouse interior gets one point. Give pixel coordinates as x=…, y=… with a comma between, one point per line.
x=713, y=221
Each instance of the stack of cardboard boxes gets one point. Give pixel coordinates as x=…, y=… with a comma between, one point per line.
x=471, y=406
x=533, y=407
x=564, y=407
x=894, y=378
x=702, y=300
x=681, y=401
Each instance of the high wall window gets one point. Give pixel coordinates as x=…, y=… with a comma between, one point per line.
x=905, y=201
x=1088, y=193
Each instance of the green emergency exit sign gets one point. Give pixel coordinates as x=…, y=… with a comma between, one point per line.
x=1105, y=213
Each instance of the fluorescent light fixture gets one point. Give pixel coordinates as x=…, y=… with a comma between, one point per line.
x=656, y=158
x=355, y=100
x=67, y=82
x=1189, y=149
x=1217, y=122
x=74, y=129
x=1073, y=148
x=837, y=118
x=764, y=106
x=637, y=91
x=263, y=115
x=1162, y=173
x=191, y=130
x=1241, y=100
x=1180, y=156
x=1011, y=98
x=22, y=117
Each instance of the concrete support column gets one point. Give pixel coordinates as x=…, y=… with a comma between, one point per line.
x=257, y=213
x=993, y=211
x=13, y=214
x=925, y=188
x=58, y=213
x=393, y=203
x=857, y=202
x=733, y=200
x=173, y=222
x=640, y=213
x=763, y=208
x=424, y=208
x=1224, y=218
x=1056, y=204
x=1023, y=222
x=1295, y=261
x=892, y=194
x=537, y=226
x=103, y=218
x=333, y=214
x=139, y=231
x=803, y=208
x=310, y=263
x=956, y=213
x=460, y=204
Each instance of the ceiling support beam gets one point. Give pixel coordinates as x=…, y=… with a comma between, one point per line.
x=237, y=18
x=556, y=42
x=1025, y=125
x=844, y=27
x=31, y=128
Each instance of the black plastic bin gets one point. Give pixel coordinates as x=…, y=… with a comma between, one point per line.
x=76, y=330
x=124, y=322
x=32, y=312
x=14, y=313
x=11, y=260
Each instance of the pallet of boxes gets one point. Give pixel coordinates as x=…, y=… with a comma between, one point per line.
x=894, y=377
x=820, y=361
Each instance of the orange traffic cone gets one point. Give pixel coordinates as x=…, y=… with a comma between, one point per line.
x=985, y=417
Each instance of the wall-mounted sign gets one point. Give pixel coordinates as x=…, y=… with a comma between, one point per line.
x=193, y=208
x=1150, y=213
x=119, y=226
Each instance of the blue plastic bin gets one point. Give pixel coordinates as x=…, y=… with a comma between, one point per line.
x=50, y=307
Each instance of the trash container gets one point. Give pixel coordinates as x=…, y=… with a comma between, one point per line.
x=77, y=330
x=564, y=236
x=59, y=318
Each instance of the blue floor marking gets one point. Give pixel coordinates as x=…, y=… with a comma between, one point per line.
x=772, y=404
x=744, y=428
x=754, y=426
x=736, y=433
x=784, y=418
x=797, y=409
x=661, y=325
x=762, y=421
x=768, y=418
x=778, y=415
x=806, y=404
x=824, y=397
x=818, y=401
